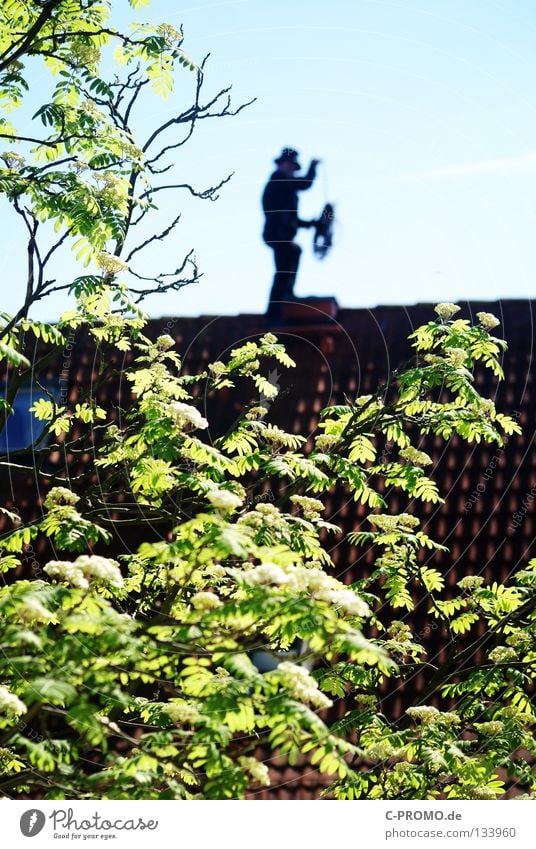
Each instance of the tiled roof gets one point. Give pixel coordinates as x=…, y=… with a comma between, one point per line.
x=348, y=358
x=485, y=486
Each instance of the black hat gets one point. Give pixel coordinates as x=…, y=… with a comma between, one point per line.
x=288, y=155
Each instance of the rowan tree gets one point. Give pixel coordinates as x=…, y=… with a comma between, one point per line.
x=130, y=675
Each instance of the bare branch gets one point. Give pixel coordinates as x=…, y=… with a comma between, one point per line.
x=195, y=108
x=33, y=253
x=140, y=84
x=58, y=244
x=193, y=114
x=55, y=164
x=163, y=283
x=157, y=237
x=205, y=194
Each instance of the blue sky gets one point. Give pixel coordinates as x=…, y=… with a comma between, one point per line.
x=424, y=115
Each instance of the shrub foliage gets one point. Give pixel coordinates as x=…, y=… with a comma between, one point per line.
x=134, y=677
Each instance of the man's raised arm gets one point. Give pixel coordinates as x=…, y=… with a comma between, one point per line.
x=307, y=180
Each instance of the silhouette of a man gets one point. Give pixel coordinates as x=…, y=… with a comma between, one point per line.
x=280, y=205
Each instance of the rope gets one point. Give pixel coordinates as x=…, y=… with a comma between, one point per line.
x=325, y=181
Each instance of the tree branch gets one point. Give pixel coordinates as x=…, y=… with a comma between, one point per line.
x=157, y=237
x=164, y=285
x=205, y=194
x=25, y=42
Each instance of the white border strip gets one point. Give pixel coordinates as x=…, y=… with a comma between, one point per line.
x=255, y=824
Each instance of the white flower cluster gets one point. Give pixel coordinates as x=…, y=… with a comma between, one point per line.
x=424, y=713
x=456, y=356
x=489, y=728
x=402, y=521
x=68, y=573
x=182, y=713
x=109, y=178
x=383, y=521
x=271, y=516
x=275, y=435
x=60, y=495
x=165, y=342
x=311, y=507
x=301, y=685
x=481, y=792
x=171, y=35
x=13, y=159
x=345, y=599
x=256, y=413
x=114, y=190
x=471, y=582
x=10, y=703
x=320, y=586
x=365, y=702
x=251, y=519
x=258, y=770
x=185, y=414
x=112, y=195
x=267, y=573
x=487, y=320
x=223, y=500
x=417, y=458
x=407, y=521
x=223, y=673
x=326, y=441
x=89, y=107
x=403, y=767
x=428, y=715
x=217, y=368
x=389, y=560
x=111, y=264
x=518, y=638
x=264, y=515
x=268, y=511
x=100, y=569
x=446, y=311
x=84, y=55
x=486, y=405
x=31, y=610
x=399, y=631
x=502, y=654
x=382, y=751
x=131, y=151
x=86, y=568
x=205, y=601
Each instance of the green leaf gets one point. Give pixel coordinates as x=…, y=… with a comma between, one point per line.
x=16, y=358
x=53, y=690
